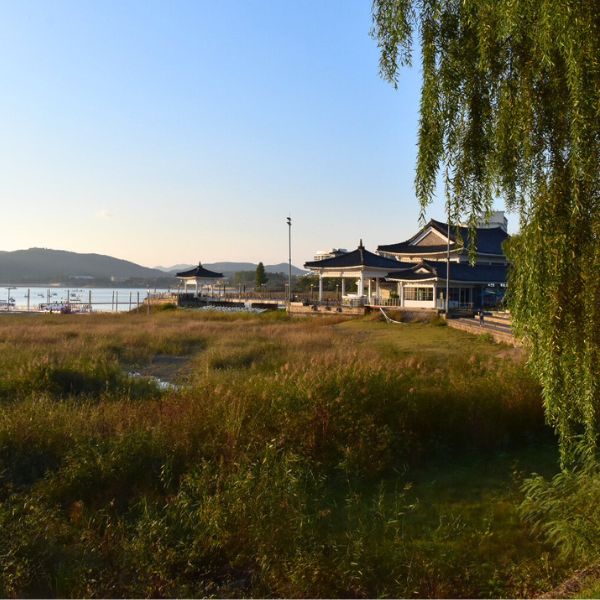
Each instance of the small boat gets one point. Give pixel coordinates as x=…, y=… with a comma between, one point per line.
x=7, y=304
x=65, y=308
x=54, y=307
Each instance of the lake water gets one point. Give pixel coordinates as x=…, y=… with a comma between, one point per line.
x=101, y=299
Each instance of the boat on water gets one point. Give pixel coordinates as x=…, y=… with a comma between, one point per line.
x=7, y=304
x=64, y=308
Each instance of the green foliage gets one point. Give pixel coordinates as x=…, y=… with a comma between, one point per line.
x=167, y=306
x=566, y=511
x=260, y=278
x=509, y=106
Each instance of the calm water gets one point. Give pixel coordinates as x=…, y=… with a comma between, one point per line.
x=102, y=299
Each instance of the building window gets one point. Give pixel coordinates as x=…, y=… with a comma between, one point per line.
x=421, y=294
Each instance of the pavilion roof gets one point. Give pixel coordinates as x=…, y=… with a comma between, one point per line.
x=429, y=269
x=488, y=240
x=361, y=257
x=200, y=272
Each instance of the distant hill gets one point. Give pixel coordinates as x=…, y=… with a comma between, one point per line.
x=42, y=265
x=227, y=268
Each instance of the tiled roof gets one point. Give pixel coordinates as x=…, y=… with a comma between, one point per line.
x=200, y=272
x=458, y=272
x=488, y=240
x=360, y=257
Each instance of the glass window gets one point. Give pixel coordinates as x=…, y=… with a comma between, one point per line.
x=421, y=294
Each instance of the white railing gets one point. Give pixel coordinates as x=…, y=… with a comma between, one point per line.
x=377, y=301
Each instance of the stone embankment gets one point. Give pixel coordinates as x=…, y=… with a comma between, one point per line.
x=498, y=325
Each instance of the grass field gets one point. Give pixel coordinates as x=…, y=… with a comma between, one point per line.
x=314, y=457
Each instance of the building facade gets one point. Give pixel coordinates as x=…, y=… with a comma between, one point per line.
x=432, y=264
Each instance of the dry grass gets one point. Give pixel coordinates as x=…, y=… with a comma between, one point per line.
x=278, y=468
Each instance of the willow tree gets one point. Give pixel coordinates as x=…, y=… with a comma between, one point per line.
x=510, y=108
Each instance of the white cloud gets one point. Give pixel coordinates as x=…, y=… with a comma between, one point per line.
x=104, y=214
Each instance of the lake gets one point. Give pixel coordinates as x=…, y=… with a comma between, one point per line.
x=101, y=299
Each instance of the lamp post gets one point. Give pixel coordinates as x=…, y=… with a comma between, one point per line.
x=337, y=295
x=312, y=285
x=448, y=267
x=289, y=223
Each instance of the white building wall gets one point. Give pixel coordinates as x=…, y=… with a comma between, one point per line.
x=419, y=304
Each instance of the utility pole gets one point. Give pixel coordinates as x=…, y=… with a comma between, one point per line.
x=289, y=222
x=8, y=298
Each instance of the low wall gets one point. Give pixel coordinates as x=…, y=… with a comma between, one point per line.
x=199, y=302
x=499, y=336
x=299, y=309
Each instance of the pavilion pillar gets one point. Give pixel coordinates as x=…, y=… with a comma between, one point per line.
x=361, y=284
x=369, y=290
x=343, y=287
x=377, y=290
x=197, y=286
x=401, y=294
x=320, y=287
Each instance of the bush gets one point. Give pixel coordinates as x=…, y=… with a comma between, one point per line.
x=566, y=511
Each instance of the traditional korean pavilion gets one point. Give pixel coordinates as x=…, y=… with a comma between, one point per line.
x=198, y=277
x=424, y=285
x=421, y=265
x=431, y=243
x=421, y=276
x=366, y=268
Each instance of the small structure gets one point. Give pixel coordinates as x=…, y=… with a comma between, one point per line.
x=365, y=267
x=198, y=277
x=424, y=285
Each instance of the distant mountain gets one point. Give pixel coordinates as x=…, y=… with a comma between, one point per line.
x=42, y=265
x=227, y=268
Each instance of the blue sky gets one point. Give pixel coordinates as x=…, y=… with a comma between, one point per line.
x=170, y=132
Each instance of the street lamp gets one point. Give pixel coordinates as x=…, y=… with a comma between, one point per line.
x=447, y=307
x=289, y=223
x=337, y=293
x=312, y=285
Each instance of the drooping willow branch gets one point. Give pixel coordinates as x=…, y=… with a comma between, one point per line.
x=510, y=107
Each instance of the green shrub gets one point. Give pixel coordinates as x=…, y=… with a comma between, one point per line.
x=565, y=510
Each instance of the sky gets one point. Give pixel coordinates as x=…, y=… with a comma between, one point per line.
x=177, y=132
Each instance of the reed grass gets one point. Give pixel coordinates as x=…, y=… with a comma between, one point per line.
x=281, y=466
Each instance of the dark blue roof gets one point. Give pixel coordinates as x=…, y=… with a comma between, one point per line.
x=360, y=257
x=488, y=240
x=200, y=271
x=458, y=272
